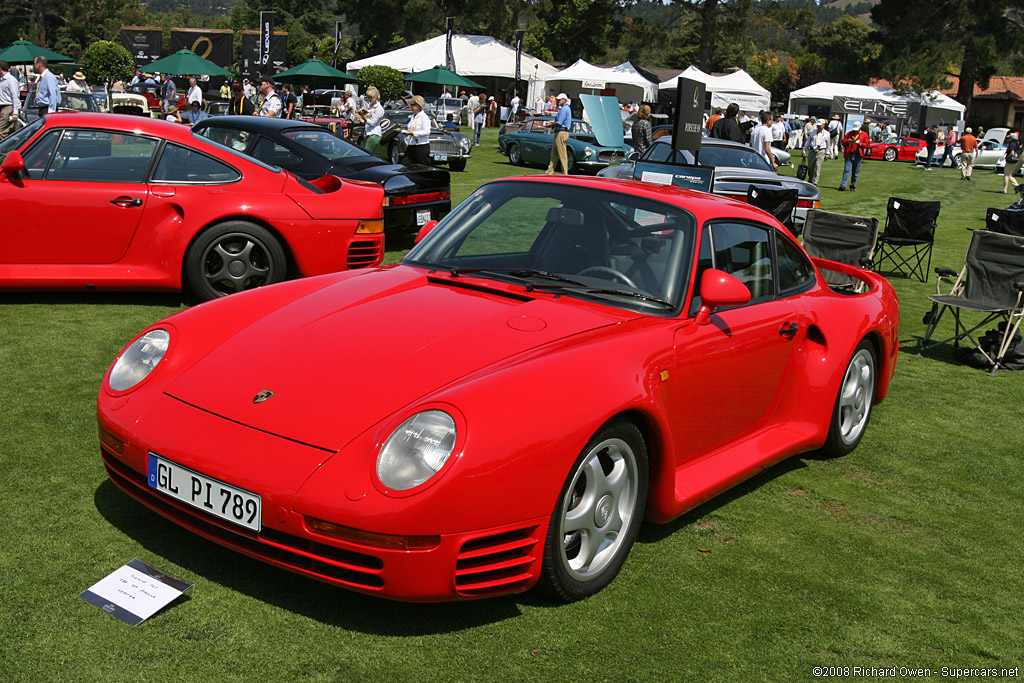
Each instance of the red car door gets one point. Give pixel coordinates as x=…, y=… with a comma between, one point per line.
x=80, y=200
x=730, y=371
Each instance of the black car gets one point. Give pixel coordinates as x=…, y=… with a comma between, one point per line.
x=413, y=195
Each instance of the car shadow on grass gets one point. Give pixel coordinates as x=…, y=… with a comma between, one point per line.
x=207, y=562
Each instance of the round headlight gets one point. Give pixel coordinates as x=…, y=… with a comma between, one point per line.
x=138, y=360
x=465, y=144
x=587, y=152
x=416, y=450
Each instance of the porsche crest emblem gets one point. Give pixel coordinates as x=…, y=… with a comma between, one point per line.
x=696, y=92
x=262, y=396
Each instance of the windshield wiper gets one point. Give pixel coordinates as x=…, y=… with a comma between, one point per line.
x=633, y=295
x=520, y=273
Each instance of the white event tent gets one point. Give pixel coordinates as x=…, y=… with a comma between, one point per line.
x=582, y=76
x=874, y=101
x=739, y=87
x=475, y=56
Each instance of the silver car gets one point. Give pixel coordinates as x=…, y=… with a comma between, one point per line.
x=446, y=146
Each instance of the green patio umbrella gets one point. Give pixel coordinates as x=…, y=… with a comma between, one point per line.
x=441, y=75
x=313, y=71
x=25, y=52
x=186, y=62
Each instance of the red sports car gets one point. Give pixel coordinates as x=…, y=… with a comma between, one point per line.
x=557, y=360
x=107, y=201
x=894, y=149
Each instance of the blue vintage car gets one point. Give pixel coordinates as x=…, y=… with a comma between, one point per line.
x=531, y=144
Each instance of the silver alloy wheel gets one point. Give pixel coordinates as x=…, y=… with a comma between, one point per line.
x=890, y=154
x=513, y=155
x=855, y=396
x=235, y=262
x=598, y=508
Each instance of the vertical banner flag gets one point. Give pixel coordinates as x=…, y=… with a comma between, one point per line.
x=211, y=44
x=144, y=43
x=337, y=43
x=251, y=48
x=451, y=55
x=266, y=33
x=689, y=115
x=519, y=54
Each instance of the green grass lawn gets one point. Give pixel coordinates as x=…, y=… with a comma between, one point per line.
x=906, y=553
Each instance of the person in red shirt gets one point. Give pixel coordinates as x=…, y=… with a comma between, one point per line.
x=968, y=147
x=853, y=143
x=714, y=117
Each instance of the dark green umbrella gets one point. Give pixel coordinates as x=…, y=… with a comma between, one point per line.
x=313, y=71
x=186, y=62
x=441, y=75
x=25, y=52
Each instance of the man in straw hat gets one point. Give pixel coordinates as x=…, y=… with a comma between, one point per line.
x=561, y=124
x=77, y=83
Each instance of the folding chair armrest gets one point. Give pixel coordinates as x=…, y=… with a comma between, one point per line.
x=866, y=262
x=945, y=272
x=1019, y=286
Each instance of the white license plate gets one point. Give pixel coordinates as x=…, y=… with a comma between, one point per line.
x=205, y=493
x=422, y=216
x=440, y=157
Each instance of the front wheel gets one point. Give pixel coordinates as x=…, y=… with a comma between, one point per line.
x=890, y=154
x=233, y=257
x=598, y=514
x=394, y=153
x=457, y=164
x=570, y=160
x=853, y=403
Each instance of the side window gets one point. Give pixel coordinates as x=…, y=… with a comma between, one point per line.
x=39, y=154
x=237, y=140
x=705, y=260
x=101, y=156
x=273, y=153
x=182, y=165
x=745, y=252
x=658, y=153
x=795, y=271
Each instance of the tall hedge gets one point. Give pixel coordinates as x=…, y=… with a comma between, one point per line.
x=389, y=81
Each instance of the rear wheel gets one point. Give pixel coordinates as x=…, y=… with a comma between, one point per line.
x=598, y=514
x=394, y=153
x=233, y=257
x=890, y=154
x=515, y=157
x=853, y=403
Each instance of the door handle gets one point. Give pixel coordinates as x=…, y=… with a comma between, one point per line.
x=788, y=329
x=126, y=201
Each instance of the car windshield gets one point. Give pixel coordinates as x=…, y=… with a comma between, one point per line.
x=324, y=143
x=595, y=244
x=403, y=116
x=718, y=156
x=17, y=139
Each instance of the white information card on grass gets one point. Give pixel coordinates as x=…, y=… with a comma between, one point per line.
x=135, y=592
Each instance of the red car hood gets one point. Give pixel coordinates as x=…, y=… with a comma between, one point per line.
x=349, y=354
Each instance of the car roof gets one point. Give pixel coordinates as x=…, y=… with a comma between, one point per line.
x=121, y=122
x=259, y=124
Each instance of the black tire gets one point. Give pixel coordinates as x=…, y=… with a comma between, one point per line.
x=570, y=160
x=394, y=153
x=854, y=399
x=890, y=154
x=515, y=157
x=457, y=164
x=232, y=257
x=607, y=489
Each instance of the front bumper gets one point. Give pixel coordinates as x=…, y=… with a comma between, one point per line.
x=463, y=565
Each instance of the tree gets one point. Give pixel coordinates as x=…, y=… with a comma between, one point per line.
x=923, y=42
x=849, y=50
x=106, y=62
x=388, y=81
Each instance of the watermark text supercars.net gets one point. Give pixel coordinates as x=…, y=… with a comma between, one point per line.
x=913, y=672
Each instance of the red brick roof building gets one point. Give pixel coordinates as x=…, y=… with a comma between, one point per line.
x=1000, y=104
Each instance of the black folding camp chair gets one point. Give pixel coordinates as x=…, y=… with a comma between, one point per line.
x=1006, y=221
x=909, y=226
x=991, y=282
x=779, y=203
x=843, y=238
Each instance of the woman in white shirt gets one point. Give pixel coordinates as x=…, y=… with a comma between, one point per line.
x=417, y=135
x=373, y=118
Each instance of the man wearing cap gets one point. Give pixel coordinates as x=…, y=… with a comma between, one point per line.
x=136, y=78
x=240, y=104
x=854, y=143
x=561, y=124
x=10, y=100
x=817, y=144
x=1014, y=160
x=169, y=94
x=271, y=105
x=77, y=83
x=968, y=148
x=47, y=90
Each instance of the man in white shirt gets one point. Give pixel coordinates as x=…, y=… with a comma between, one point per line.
x=10, y=100
x=761, y=138
x=271, y=105
x=817, y=144
x=195, y=93
x=834, y=129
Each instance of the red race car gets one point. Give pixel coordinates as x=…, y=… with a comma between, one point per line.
x=557, y=360
x=894, y=149
x=107, y=201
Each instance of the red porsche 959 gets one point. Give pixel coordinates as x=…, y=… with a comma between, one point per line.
x=107, y=201
x=556, y=361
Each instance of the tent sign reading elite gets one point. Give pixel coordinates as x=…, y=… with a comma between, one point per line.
x=135, y=592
